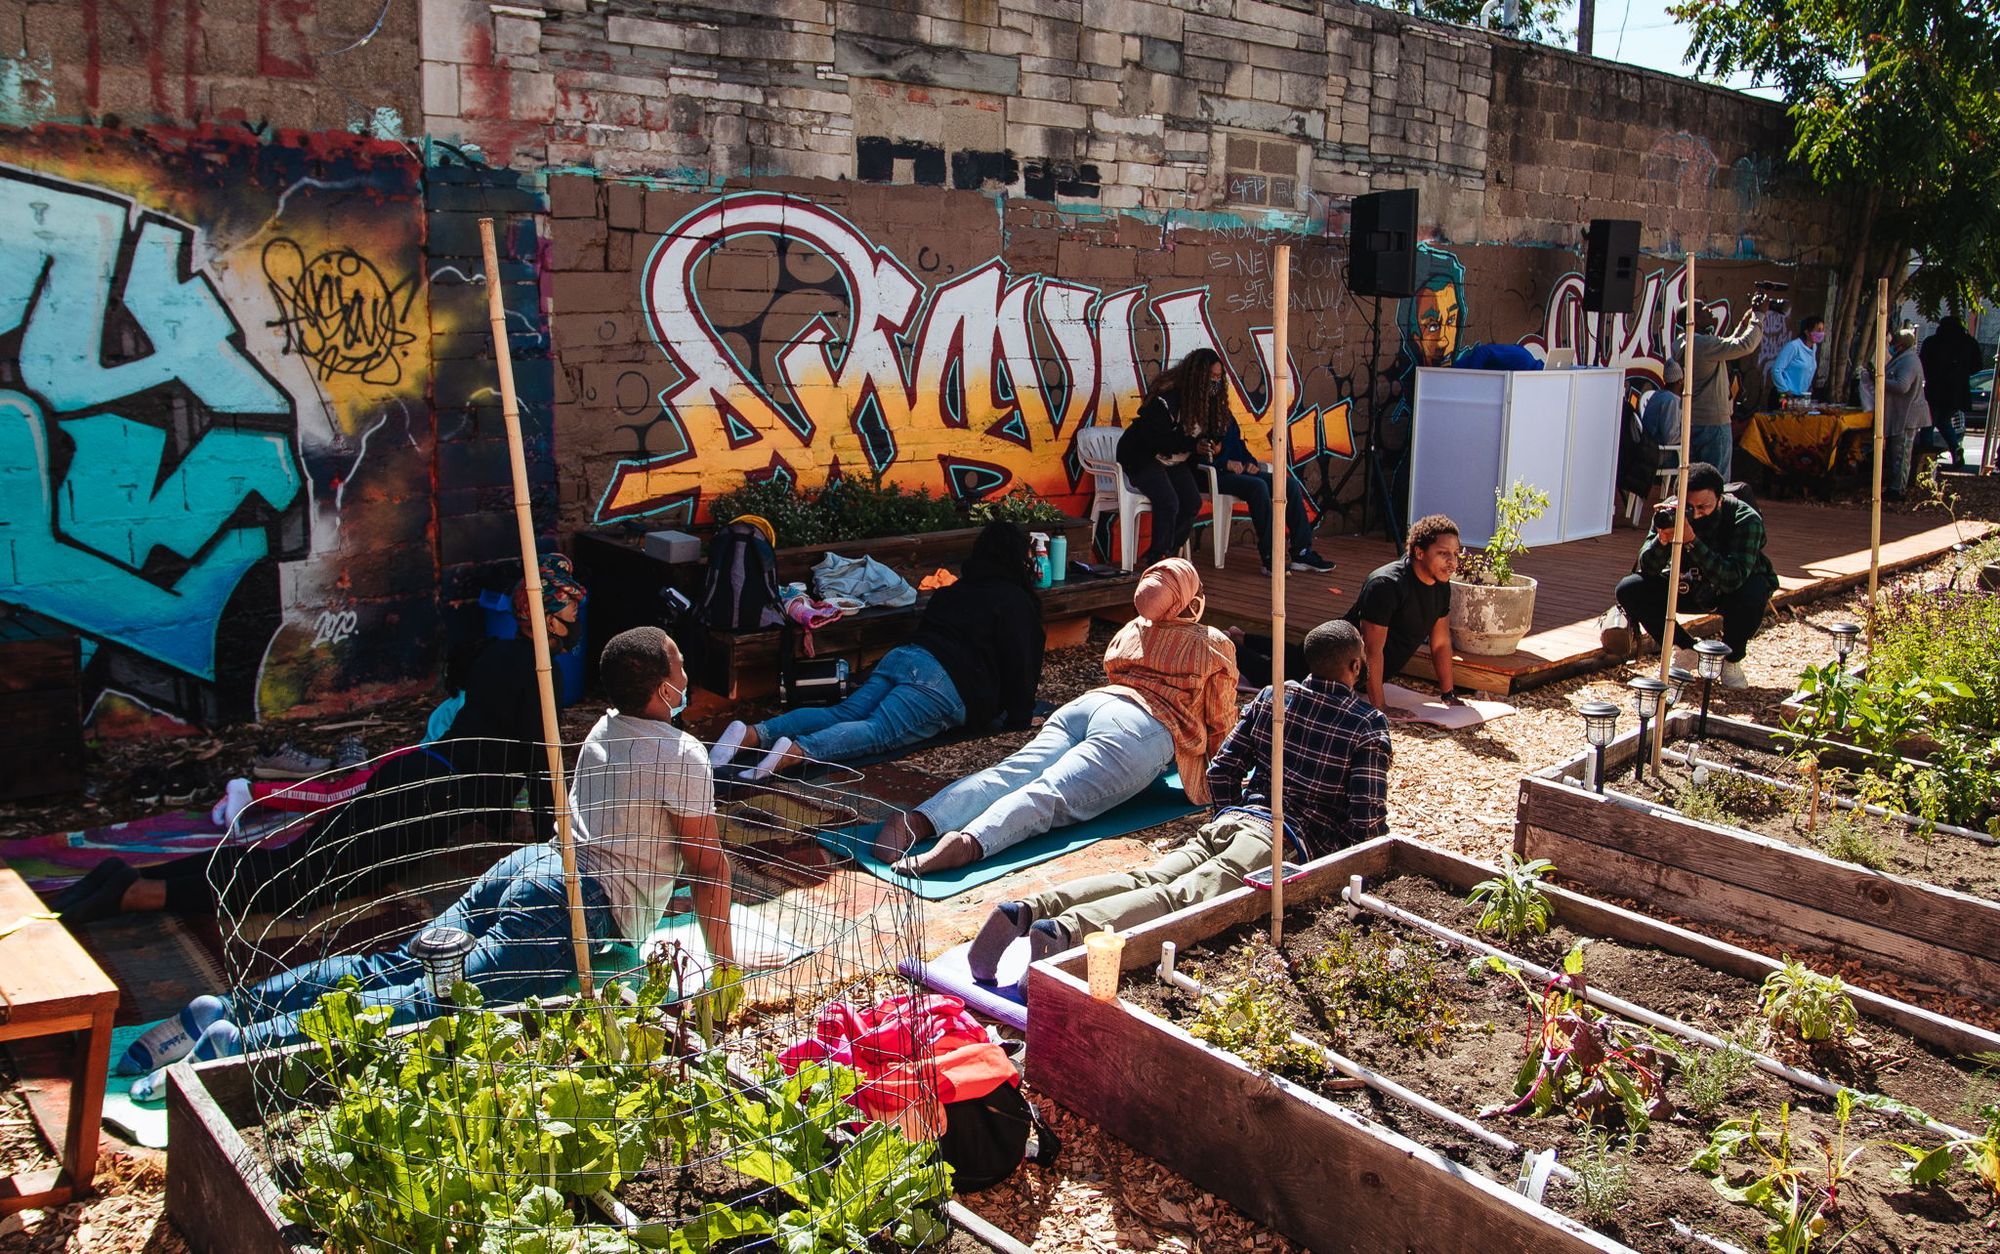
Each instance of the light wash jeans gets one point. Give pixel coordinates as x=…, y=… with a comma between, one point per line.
x=518, y=914
x=1896, y=460
x=1203, y=867
x=1714, y=445
x=906, y=698
x=1093, y=753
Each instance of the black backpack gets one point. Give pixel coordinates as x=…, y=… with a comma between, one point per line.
x=739, y=591
x=986, y=1138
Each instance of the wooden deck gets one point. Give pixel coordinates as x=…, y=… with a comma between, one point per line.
x=1815, y=548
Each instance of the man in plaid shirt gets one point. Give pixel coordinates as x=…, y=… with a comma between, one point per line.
x=1723, y=571
x=1336, y=750
x=1336, y=789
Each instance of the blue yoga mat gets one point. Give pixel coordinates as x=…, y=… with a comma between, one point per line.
x=1161, y=802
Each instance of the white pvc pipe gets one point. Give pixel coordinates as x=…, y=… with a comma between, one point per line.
x=1353, y=895
x=1908, y=820
x=1702, y=1238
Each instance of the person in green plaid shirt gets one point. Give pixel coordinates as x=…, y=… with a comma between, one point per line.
x=1723, y=571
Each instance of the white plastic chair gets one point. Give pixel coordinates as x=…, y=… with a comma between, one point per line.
x=1222, y=515
x=1097, y=452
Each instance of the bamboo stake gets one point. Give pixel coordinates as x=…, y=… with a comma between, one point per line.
x=1881, y=442
x=531, y=568
x=1281, y=474
x=1992, y=415
x=1671, y=620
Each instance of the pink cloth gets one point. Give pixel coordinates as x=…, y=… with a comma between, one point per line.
x=909, y=1051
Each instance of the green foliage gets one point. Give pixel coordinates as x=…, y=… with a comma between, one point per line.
x=1851, y=837
x=1516, y=906
x=1945, y=632
x=845, y=509
x=1582, y=1062
x=1603, y=1183
x=1802, y=1004
x=1373, y=978
x=1797, y=1199
x=1722, y=796
x=1710, y=1077
x=1514, y=509
x=472, y=1131
x=1021, y=505
x=1978, y=1154
x=1253, y=1020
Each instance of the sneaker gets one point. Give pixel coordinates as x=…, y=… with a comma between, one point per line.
x=1732, y=675
x=289, y=762
x=1307, y=560
x=351, y=752
x=181, y=786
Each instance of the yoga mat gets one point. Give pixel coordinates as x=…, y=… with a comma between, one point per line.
x=1003, y=1000
x=141, y=1123
x=55, y=861
x=1424, y=709
x=1161, y=802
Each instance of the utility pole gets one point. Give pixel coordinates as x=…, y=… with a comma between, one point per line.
x=1586, y=19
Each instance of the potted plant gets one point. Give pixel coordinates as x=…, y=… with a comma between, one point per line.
x=1492, y=608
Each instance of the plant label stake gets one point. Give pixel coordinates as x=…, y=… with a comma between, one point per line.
x=531, y=569
x=1281, y=474
x=1671, y=621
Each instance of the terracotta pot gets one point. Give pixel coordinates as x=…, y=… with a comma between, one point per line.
x=1489, y=620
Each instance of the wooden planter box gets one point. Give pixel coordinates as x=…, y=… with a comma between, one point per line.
x=223, y=1201
x=1732, y=878
x=1290, y=1158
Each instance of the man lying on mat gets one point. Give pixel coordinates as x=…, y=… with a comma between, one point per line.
x=644, y=818
x=976, y=656
x=1171, y=697
x=1336, y=793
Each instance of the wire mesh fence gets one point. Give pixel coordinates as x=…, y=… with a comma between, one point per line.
x=429, y=1076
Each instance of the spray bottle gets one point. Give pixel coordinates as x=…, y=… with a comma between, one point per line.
x=1044, y=575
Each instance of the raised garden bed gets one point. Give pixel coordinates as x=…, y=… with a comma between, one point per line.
x=234, y=1138
x=1929, y=914
x=1338, y=1168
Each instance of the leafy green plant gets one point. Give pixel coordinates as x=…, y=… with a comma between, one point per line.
x=1850, y=837
x=1797, y=1205
x=1802, y=1004
x=1516, y=906
x=1716, y=795
x=1827, y=694
x=1252, y=1019
x=1942, y=631
x=1603, y=1183
x=1709, y=1077
x=1978, y=1154
x=1514, y=509
x=1373, y=978
x=1582, y=1062
x=1022, y=505
x=845, y=509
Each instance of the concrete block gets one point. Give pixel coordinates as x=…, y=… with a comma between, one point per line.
x=697, y=38
x=440, y=87
x=1048, y=113
x=903, y=62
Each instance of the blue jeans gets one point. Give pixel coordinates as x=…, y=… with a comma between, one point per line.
x=1714, y=445
x=1254, y=490
x=907, y=698
x=1896, y=461
x=1093, y=753
x=517, y=913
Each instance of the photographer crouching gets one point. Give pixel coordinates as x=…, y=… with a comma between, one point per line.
x=1723, y=571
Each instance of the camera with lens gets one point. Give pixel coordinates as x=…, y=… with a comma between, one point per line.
x=1663, y=518
x=1766, y=297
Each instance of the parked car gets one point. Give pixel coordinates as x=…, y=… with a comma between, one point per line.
x=1982, y=400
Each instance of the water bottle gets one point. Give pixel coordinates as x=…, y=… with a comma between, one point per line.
x=1043, y=577
x=1059, y=558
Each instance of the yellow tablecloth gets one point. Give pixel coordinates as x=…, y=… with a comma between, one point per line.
x=1809, y=444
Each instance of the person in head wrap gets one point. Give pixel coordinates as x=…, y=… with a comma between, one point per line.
x=1169, y=700
x=488, y=741
x=976, y=658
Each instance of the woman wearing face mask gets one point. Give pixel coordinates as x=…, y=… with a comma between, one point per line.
x=1793, y=369
x=1170, y=434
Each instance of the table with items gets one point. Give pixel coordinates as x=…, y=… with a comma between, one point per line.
x=1823, y=442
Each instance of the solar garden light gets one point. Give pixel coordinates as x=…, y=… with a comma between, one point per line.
x=1844, y=636
x=1649, y=697
x=1600, y=724
x=1709, y=657
x=1678, y=679
x=442, y=949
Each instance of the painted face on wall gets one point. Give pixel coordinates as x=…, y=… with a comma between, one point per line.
x=1437, y=320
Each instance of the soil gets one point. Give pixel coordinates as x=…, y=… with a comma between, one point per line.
x=665, y=1196
x=1475, y=1064
x=1955, y=862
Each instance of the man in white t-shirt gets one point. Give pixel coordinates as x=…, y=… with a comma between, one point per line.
x=644, y=819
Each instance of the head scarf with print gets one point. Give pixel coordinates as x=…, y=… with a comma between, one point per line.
x=562, y=596
x=1180, y=672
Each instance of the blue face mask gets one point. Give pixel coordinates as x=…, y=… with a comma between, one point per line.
x=682, y=704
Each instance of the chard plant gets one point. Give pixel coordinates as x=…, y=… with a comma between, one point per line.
x=1516, y=906
x=1978, y=1154
x=1797, y=1201
x=1813, y=1009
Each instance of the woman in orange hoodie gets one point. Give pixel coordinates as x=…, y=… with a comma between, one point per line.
x=1169, y=699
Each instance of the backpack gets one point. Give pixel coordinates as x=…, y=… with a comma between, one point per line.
x=985, y=1138
x=739, y=590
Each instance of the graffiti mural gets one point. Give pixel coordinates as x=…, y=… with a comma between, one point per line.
x=213, y=446
x=968, y=386
x=1635, y=343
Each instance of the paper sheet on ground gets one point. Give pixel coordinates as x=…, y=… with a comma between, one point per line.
x=141, y=1124
x=1433, y=710
x=755, y=937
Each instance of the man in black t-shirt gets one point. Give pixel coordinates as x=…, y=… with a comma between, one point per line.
x=1408, y=603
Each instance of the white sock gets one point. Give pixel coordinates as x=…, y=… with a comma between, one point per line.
x=173, y=1038
x=728, y=743
x=235, y=798
x=780, y=750
x=222, y=1039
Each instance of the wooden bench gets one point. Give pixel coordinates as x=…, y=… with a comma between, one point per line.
x=49, y=985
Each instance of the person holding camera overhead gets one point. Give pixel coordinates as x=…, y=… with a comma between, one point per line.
x=1713, y=440
x=1723, y=571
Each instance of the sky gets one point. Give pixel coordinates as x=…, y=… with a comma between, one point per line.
x=1639, y=32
